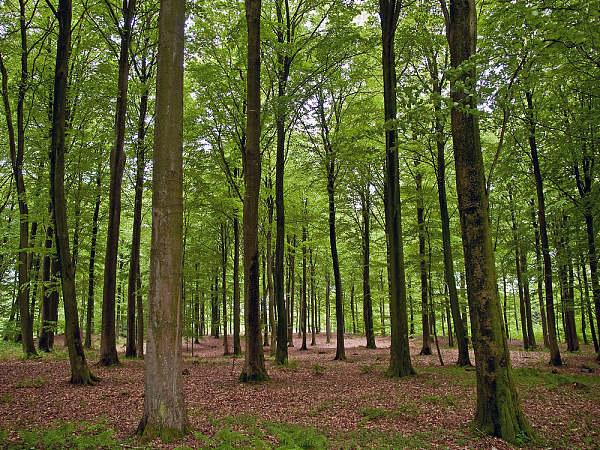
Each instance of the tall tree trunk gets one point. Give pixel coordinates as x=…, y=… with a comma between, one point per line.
x=527, y=298
x=80, y=372
x=292, y=281
x=313, y=301
x=49, y=293
x=555, y=358
x=254, y=367
x=498, y=410
x=400, y=363
x=303, y=315
x=108, y=341
x=518, y=270
x=538, y=261
x=237, y=346
x=589, y=306
x=327, y=308
x=459, y=326
x=365, y=205
x=131, y=349
x=17, y=148
x=224, y=239
x=426, y=347
x=164, y=407
x=89, y=317
x=340, y=353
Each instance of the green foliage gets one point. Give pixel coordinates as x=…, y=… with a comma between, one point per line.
x=75, y=435
x=35, y=382
x=318, y=369
x=531, y=378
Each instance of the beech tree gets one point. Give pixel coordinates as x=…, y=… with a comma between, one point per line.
x=164, y=408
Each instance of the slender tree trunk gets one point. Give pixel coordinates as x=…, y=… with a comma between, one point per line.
x=292, y=281
x=303, y=312
x=459, y=326
x=555, y=358
x=108, y=341
x=498, y=410
x=165, y=414
x=365, y=200
x=518, y=270
x=400, y=363
x=89, y=318
x=16, y=157
x=49, y=295
x=538, y=261
x=131, y=349
x=589, y=306
x=313, y=301
x=327, y=308
x=80, y=373
x=224, y=239
x=237, y=346
x=254, y=367
x=426, y=347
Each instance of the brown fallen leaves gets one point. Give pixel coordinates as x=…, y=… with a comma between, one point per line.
x=314, y=390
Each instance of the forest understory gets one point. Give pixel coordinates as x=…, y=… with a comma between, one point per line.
x=313, y=402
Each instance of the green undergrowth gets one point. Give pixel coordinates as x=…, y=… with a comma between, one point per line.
x=530, y=377
x=72, y=435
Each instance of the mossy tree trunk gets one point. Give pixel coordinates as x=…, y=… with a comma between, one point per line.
x=498, y=410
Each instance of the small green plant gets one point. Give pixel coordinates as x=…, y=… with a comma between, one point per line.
x=35, y=382
x=374, y=413
x=75, y=435
x=440, y=400
x=5, y=398
x=321, y=407
x=318, y=369
x=290, y=365
x=296, y=437
x=366, y=369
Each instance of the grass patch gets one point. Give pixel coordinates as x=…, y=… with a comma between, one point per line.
x=529, y=377
x=365, y=438
x=291, y=365
x=455, y=374
x=447, y=401
x=75, y=435
x=247, y=432
x=318, y=370
x=5, y=398
x=321, y=407
x=10, y=351
x=35, y=382
x=366, y=369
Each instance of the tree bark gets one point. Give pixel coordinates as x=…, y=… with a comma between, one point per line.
x=254, y=367
x=426, y=347
x=133, y=281
x=365, y=205
x=400, y=363
x=224, y=239
x=80, y=372
x=89, y=317
x=555, y=358
x=538, y=261
x=164, y=414
x=108, y=341
x=237, y=346
x=303, y=305
x=498, y=410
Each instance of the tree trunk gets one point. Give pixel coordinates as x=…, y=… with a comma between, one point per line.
x=108, y=342
x=16, y=158
x=49, y=294
x=224, y=239
x=459, y=326
x=237, y=346
x=589, y=306
x=498, y=409
x=131, y=349
x=518, y=270
x=80, y=373
x=292, y=282
x=327, y=308
x=365, y=205
x=303, y=312
x=400, y=363
x=313, y=301
x=89, y=318
x=555, y=358
x=538, y=261
x=164, y=414
x=426, y=347
x=254, y=367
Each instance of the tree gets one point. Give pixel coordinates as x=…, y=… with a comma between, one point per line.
x=108, y=344
x=254, y=367
x=400, y=364
x=498, y=410
x=164, y=408
x=80, y=372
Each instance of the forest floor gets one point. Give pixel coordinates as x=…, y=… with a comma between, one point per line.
x=314, y=402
